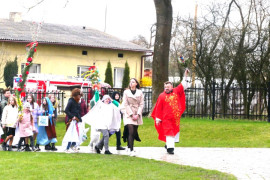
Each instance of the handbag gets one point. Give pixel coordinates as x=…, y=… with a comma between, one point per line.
x=43, y=120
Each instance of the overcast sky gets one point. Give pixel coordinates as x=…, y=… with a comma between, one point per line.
x=125, y=18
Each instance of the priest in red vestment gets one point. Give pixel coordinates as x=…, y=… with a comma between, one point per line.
x=167, y=112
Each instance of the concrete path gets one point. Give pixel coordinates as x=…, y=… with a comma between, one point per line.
x=244, y=163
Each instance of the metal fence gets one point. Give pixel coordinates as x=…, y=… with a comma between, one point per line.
x=214, y=102
x=38, y=95
x=234, y=102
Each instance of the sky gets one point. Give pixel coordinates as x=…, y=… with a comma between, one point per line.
x=125, y=18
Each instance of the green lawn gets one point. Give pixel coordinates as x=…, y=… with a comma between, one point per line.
x=29, y=165
x=201, y=133
x=194, y=133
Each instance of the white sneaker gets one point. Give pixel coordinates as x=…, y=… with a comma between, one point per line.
x=91, y=147
x=128, y=149
x=132, y=153
x=75, y=149
x=67, y=151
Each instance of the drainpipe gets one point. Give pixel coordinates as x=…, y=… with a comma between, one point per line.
x=143, y=56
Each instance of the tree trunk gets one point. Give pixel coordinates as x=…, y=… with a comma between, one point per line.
x=162, y=46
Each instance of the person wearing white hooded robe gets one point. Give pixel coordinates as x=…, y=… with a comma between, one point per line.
x=104, y=117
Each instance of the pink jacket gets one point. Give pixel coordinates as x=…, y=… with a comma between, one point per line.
x=25, y=126
x=132, y=104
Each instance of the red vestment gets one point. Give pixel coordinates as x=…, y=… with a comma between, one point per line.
x=169, y=108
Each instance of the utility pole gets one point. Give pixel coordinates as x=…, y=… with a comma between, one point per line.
x=194, y=46
x=105, y=18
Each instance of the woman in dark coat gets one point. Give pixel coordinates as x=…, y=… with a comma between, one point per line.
x=73, y=112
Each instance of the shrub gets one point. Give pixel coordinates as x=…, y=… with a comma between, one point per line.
x=126, y=77
x=146, y=81
x=10, y=70
x=108, y=74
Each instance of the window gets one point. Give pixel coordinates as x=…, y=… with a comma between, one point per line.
x=81, y=70
x=120, y=55
x=35, y=68
x=84, y=53
x=118, y=77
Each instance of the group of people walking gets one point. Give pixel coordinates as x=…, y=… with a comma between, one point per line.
x=105, y=118
x=25, y=125
x=103, y=115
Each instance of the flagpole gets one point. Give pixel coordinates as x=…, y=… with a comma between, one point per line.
x=194, y=46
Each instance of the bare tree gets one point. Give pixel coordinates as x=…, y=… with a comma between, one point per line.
x=247, y=35
x=140, y=40
x=152, y=35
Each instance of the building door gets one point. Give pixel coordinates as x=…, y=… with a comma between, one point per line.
x=118, y=77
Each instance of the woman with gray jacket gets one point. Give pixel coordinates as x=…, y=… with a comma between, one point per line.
x=133, y=101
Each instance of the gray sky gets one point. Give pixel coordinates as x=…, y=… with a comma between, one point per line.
x=125, y=18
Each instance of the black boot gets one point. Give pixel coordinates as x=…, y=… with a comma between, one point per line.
x=107, y=152
x=27, y=148
x=4, y=146
x=120, y=148
x=97, y=149
x=10, y=148
x=170, y=150
x=37, y=147
x=48, y=147
x=53, y=147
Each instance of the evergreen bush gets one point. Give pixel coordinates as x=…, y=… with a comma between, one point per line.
x=108, y=74
x=126, y=77
x=10, y=70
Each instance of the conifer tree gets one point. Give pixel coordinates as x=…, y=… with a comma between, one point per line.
x=10, y=70
x=126, y=77
x=108, y=74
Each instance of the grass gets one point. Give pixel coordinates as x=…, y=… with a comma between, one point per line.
x=201, y=133
x=194, y=133
x=19, y=165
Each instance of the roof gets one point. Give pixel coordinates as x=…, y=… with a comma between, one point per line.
x=63, y=35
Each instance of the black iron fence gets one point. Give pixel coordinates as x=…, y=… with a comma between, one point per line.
x=214, y=102
x=233, y=102
x=38, y=95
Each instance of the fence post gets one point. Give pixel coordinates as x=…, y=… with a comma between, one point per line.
x=268, y=102
x=214, y=100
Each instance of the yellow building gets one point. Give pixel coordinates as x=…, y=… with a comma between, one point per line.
x=68, y=50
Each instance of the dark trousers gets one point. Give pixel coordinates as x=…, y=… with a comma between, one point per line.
x=71, y=143
x=118, y=138
x=23, y=139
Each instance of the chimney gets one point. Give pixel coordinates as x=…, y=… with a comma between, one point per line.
x=15, y=16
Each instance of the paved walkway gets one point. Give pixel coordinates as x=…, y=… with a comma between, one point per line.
x=244, y=163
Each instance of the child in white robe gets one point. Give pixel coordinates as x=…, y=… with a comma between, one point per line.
x=104, y=117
